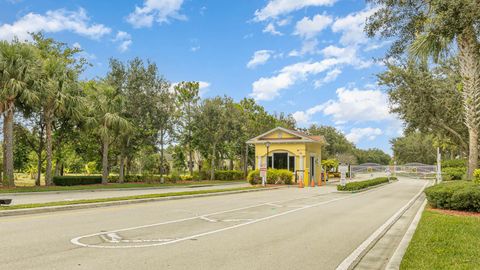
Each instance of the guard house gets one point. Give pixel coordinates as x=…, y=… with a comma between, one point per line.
x=282, y=148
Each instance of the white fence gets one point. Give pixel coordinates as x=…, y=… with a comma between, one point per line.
x=415, y=170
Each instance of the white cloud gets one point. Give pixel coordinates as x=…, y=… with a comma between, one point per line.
x=270, y=28
x=357, y=134
x=160, y=11
x=194, y=48
x=308, y=28
x=309, y=46
x=259, y=58
x=303, y=118
x=351, y=105
x=355, y=105
x=125, y=40
x=53, y=21
x=330, y=77
x=269, y=88
x=352, y=27
x=276, y=8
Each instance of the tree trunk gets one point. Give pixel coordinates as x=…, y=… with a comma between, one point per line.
x=470, y=71
x=212, y=167
x=48, y=144
x=230, y=166
x=105, y=161
x=8, y=177
x=161, y=157
x=58, y=165
x=121, y=173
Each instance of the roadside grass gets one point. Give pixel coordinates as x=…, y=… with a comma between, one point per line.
x=125, y=198
x=110, y=186
x=444, y=241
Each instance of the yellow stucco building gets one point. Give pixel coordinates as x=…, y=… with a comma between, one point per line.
x=282, y=148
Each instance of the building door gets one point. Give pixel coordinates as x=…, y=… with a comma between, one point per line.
x=312, y=169
x=280, y=161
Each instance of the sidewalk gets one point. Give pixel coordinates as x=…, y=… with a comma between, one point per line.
x=44, y=197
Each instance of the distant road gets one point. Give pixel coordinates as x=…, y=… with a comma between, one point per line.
x=52, y=196
x=290, y=228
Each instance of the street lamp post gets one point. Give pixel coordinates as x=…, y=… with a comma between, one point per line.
x=264, y=180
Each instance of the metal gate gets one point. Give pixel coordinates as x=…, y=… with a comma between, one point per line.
x=414, y=170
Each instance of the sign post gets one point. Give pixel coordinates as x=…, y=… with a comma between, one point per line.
x=263, y=174
x=343, y=174
x=439, y=166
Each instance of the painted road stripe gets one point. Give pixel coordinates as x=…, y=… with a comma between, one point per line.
x=76, y=241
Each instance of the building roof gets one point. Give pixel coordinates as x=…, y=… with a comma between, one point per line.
x=302, y=137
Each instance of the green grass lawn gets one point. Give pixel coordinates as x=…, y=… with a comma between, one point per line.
x=109, y=186
x=125, y=198
x=444, y=241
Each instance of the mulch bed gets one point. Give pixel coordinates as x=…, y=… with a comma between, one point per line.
x=455, y=212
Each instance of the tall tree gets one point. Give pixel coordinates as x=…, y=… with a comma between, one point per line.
x=106, y=121
x=18, y=68
x=187, y=97
x=414, y=147
x=431, y=28
x=211, y=129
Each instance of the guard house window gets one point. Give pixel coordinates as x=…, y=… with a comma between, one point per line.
x=280, y=161
x=269, y=162
x=291, y=163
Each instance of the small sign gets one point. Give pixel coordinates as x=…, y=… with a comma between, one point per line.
x=263, y=172
x=343, y=169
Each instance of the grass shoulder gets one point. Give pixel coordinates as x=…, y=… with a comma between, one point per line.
x=444, y=241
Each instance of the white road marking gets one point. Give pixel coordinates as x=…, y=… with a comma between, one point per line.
x=76, y=241
x=352, y=259
x=274, y=204
x=237, y=219
x=208, y=219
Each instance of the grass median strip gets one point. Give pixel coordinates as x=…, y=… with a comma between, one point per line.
x=125, y=198
x=110, y=186
x=444, y=241
x=359, y=185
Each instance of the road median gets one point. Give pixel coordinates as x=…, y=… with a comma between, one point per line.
x=24, y=209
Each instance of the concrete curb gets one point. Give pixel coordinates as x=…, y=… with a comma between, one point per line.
x=368, y=188
x=354, y=258
x=13, y=194
x=49, y=209
x=396, y=259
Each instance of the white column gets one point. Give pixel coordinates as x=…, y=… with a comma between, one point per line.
x=259, y=162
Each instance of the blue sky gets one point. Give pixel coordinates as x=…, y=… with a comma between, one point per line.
x=309, y=58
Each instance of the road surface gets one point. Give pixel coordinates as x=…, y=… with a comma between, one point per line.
x=290, y=228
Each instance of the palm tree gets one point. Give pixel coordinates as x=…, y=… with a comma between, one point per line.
x=18, y=66
x=105, y=107
x=437, y=43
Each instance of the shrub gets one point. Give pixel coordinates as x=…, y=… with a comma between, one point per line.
x=454, y=173
x=457, y=195
x=355, y=186
x=229, y=175
x=274, y=176
x=76, y=180
x=187, y=177
x=454, y=163
x=476, y=175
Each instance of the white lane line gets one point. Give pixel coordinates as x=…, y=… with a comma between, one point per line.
x=237, y=219
x=76, y=241
x=274, y=204
x=351, y=261
x=208, y=219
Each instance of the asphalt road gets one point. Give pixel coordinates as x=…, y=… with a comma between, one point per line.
x=291, y=228
x=56, y=196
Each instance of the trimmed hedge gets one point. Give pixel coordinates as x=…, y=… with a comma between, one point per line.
x=76, y=180
x=355, y=186
x=229, y=175
x=274, y=176
x=457, y=195
x=453, y=173
x=454, y=163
